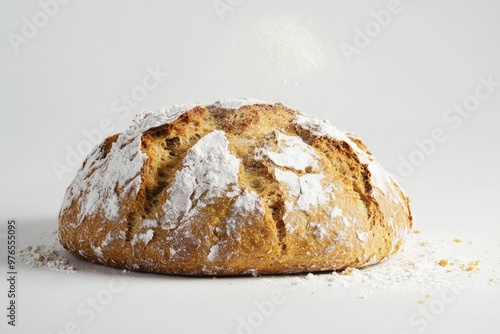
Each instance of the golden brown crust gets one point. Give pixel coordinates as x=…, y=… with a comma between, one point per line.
x=324, y=210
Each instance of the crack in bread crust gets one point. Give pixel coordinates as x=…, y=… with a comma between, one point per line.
x=355, y=171
x=257, y=175
x=260, y=179
x=166, y=146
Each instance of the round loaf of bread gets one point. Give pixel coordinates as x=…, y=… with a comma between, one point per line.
x=237, y=187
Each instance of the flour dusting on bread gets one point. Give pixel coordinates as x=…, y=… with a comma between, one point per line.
x=291, y=152
x=146, y=120
x=235, y=187
x=236, y=103
x=93, y=189
x=208, y=171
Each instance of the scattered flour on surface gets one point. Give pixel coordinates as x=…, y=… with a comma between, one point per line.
x=427, y=263
x=48, y=255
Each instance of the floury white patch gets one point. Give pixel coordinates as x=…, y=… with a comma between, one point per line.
x=291, y=152
x=125, y=160
x=193, y=186
x=237, y=103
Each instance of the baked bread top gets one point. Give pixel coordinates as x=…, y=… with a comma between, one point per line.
x=236, y=187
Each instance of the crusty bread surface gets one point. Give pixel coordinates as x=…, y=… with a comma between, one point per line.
x=237, y=187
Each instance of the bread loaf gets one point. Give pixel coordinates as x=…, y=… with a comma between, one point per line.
x=237, y=187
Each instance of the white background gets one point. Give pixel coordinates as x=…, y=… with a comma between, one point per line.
x=66, y=78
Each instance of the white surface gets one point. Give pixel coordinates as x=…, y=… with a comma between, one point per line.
x=71, y=76
x=459, y=301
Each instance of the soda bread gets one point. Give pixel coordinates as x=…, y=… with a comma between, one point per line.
x=237, y=187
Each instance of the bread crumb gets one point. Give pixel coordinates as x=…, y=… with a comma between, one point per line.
x=416, y=232
x=472, y=266
x=428, y=295
x=423, y=243
x=347, y=271
x=457, y=240
x=491, y=280
x=421, y=301
x=443, y=262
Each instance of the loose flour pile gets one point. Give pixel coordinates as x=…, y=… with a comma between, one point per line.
x=49, y=254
